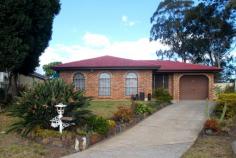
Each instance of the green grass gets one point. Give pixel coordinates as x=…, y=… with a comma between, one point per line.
x=106, y=108
x=12, y=145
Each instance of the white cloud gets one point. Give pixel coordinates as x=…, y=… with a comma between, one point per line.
x=131, y=23
x=96, y=40
x=234, y=53
x=138, y=49
x=125, y=20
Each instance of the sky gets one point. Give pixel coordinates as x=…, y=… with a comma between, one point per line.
x=90, y=28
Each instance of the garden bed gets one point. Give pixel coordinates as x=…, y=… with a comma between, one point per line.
x=68, y=139
x=212, y=145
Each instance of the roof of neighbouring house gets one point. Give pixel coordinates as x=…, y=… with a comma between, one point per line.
x=37, y=75
x=110, y=62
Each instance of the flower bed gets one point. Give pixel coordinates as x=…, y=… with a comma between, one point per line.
x=76, y=139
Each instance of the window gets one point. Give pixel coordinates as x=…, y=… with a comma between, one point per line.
x=161, y=81
x=104, y=84
x=131, y=84
x=79, y=81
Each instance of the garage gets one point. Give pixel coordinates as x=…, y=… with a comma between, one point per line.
x=193, y=87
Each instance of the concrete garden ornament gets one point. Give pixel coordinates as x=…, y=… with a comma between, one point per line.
x=80, y=143
x=57, y=121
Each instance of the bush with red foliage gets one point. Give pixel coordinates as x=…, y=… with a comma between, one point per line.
x=123, y=115
x=211, y=124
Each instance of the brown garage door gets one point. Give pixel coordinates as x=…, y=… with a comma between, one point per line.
x=193, y=87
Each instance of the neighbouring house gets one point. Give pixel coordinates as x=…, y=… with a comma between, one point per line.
x=109, y=77
x=23, y=80
x=29, y=80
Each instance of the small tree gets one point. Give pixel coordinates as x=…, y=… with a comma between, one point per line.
x=49, y=72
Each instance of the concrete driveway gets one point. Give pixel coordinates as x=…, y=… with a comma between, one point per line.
x=166, y=134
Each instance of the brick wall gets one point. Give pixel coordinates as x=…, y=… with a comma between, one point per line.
x=170, y=85
x=117, y=82
x=144, y=82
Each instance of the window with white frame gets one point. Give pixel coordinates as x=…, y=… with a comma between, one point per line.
x=79, y=81
x=131, y=84
x=104, y=88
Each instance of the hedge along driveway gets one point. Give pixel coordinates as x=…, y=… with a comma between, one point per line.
x=166, y=134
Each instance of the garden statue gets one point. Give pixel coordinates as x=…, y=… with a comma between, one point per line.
x=83, y=143
x=76, y=144
x=57, y=121
x=80, y=143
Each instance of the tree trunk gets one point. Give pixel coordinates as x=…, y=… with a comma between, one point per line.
x=217, y=58
x=12, y=85
x=211, y=58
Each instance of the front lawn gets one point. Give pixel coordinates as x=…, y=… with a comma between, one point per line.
x=210, y=147
x=13, y=145
x=106, y=108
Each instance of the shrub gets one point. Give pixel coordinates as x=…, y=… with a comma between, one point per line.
x=142, y=109
x=21, y=89
x=162, y=95
x=98, y=124
x=226, y=125
x=212, y=124
x=36, y=107
x=229, y=89
x=123, y=115
x=111, y=123
x=229, y=100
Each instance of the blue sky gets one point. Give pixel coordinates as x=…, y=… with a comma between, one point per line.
x=103, y=17
x=91, y=28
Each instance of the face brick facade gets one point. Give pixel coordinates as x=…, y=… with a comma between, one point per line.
x=117, y=82
x=145, y=70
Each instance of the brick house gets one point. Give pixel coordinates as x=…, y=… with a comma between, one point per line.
x=109, y=77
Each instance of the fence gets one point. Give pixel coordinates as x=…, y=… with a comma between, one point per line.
x=3, y=89
x=221, y=87
x=3, y=85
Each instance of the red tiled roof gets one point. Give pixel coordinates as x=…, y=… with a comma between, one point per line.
x=110, y=62
x=170, y=66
